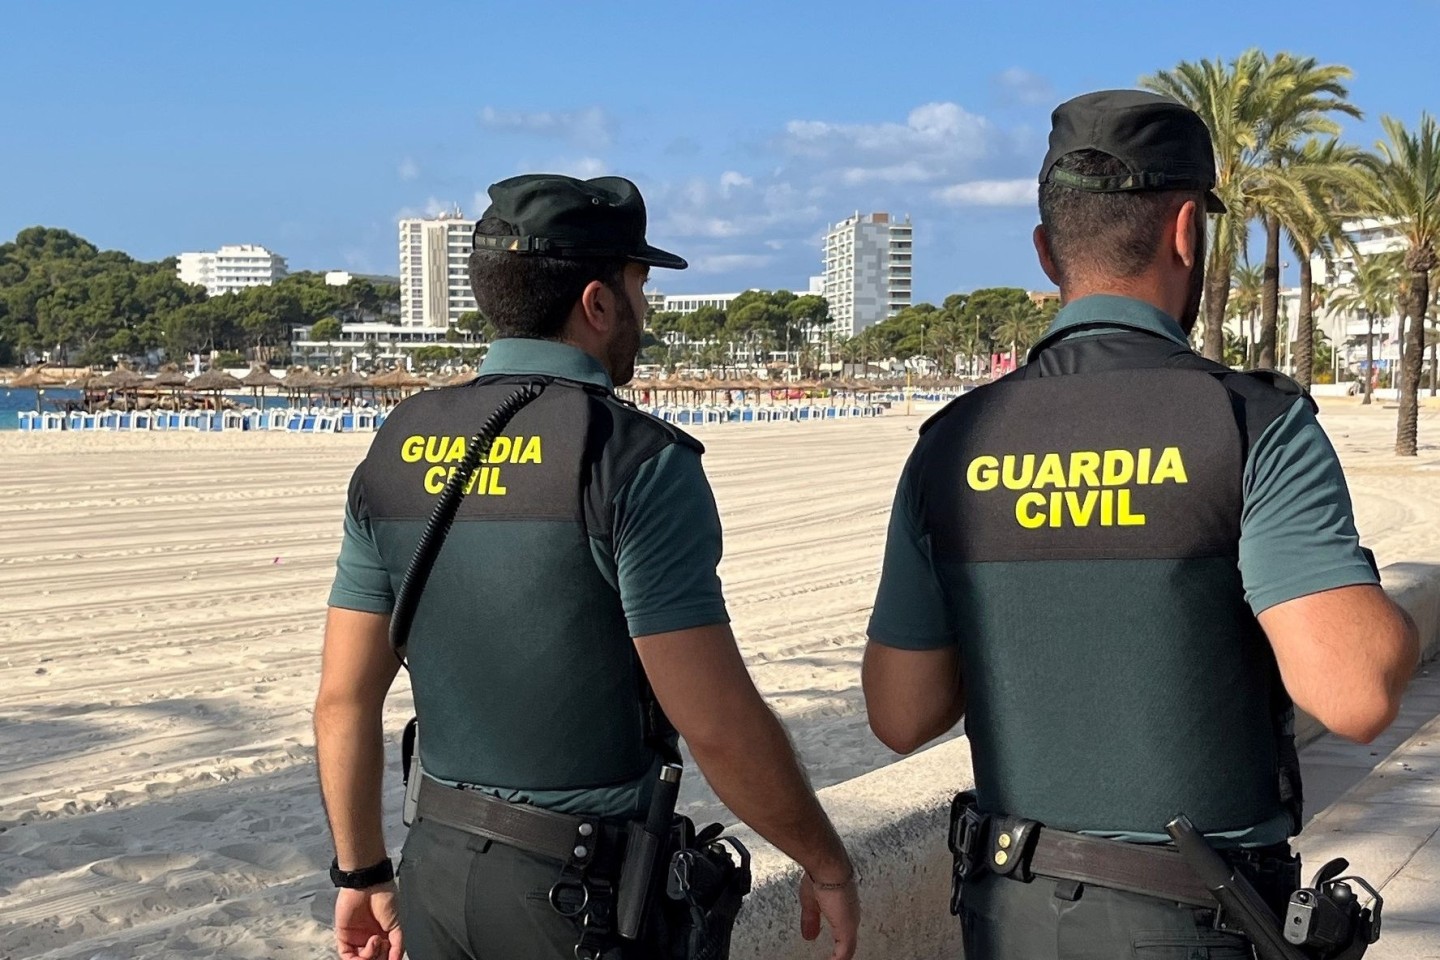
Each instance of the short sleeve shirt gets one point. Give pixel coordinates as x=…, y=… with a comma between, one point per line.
x=1297, y=527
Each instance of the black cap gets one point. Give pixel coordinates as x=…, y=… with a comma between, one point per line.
x=1164, y=143
x=559, y=216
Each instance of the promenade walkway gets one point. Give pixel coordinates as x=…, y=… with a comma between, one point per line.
x=1378, y=805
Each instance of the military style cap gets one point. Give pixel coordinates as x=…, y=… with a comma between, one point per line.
x=1164, y=143
x=563, y=217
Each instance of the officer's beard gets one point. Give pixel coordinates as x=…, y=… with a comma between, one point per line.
x=1197, y=282
x=625, y=346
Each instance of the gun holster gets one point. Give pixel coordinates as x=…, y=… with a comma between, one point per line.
x=410, y=772
x=967, y=828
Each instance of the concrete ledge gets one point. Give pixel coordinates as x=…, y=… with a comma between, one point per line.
x=894, y=820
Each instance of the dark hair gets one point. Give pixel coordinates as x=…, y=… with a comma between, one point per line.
x=529, y=296
x=1113, y=234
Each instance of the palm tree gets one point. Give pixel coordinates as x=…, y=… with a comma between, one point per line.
x=1020, y=326
x=1302, y=97
x=1224, y=97
x=1406, y=190
x=1371, y=291
x=1332, y=176
x=1247, y=286
x=1255, y=107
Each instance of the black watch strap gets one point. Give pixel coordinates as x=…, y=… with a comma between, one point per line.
x=382, y=872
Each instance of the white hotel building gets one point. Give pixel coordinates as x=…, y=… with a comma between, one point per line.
x=232, y=268
x=867, y=270
x=435, y=270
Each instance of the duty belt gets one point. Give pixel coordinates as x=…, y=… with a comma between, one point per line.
x=1023, y=849
x=557, y=836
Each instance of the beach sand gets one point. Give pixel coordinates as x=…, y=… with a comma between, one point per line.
x=161, y=603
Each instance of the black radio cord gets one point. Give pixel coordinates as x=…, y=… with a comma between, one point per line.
x=407, y=600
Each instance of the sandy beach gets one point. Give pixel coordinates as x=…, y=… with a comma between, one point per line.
x=161, y=604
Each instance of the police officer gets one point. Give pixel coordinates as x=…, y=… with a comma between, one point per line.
x=576, y=589
x=1120, y=565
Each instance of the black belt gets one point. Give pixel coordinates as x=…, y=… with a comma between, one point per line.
x=558, y=836
x=1020, y=849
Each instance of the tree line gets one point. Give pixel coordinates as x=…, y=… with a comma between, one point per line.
x=61, y=295
x=1281, y=166
x=954, y=337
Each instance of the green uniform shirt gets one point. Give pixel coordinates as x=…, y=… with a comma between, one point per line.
x=1297, y=529
x=666, y=546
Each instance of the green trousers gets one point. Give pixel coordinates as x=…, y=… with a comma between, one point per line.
x=463, y=897
x=1004, y=919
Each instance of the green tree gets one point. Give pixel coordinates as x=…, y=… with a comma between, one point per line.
x=1405, y=188
x=1302, y=99
x=1371, y=291
x=1247, y=290
x=1020, y=328
x=1257, y=108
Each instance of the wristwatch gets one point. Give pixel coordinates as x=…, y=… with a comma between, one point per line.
x=382, y=872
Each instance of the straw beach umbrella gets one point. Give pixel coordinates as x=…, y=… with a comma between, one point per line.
x=258, y=379
x=170, y=376
x=33, y=378
x=217, y=380
x=122, y=379
x=300, y=378
x=398, y=379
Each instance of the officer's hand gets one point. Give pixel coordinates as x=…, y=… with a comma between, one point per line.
x=367, y=925
x=841, y=910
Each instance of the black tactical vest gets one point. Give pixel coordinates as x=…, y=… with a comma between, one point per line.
x=1084, y=513
x=522, y=666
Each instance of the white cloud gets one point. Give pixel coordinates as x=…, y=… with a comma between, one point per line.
x=989, y=193
x=698, y=209
x=726, y=262
x=582, y=168
x=591, y=128
x=945, y=133
x=431, y=208
x=408, y=169
x=909, y=172
x=1020, y=86
x=733, y=179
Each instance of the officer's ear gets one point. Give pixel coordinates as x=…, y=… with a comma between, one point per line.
x=1047, y=258
x=598, y=307
x=1189, y=234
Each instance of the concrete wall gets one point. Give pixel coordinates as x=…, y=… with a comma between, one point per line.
x=894, y=821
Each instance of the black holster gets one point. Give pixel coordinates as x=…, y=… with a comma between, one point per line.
x=705, y=887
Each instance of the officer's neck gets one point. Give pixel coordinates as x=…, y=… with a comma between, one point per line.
x=593, y=348
x=1161, y=292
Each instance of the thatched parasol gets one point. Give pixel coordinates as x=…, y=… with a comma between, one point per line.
x=396, y=378
x=122, y=378
x=217, y=380
x=170, y=375
x=301, y=379
x=258, y=379
x=173, y=377
x=33, y=378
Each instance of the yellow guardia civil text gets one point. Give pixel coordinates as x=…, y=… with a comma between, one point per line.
x=443, y=452
x=1080, y=489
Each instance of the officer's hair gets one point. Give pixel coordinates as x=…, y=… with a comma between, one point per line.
x=1110, y=234
x=531, y=297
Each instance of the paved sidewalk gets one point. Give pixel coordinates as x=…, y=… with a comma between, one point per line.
x=1378, y=805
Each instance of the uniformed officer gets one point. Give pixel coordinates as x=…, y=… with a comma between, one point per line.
x=1121, y=564
x=581, y=564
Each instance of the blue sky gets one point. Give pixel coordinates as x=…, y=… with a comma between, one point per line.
x=156, y=127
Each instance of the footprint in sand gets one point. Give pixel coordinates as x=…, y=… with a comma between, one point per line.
x=275, y=857
x=142, y=867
